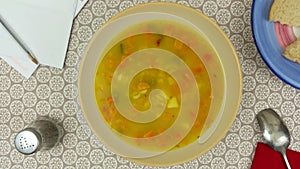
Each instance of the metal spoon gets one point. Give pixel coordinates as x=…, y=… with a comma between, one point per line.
x=274, y=131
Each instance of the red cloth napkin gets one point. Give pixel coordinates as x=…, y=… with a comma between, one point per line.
x=267, y=158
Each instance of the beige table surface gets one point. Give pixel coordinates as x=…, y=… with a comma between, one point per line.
x=53, y=92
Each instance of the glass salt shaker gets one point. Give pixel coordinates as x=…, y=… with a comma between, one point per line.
x=40, y=135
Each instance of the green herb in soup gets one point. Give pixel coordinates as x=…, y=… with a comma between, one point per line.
x=146, y=81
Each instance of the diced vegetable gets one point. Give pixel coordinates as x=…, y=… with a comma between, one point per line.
x=178, y=44
x=143, y=91
x=198, y=69
x=172, y=103
x=142, y=86
x=109, y=100
x=150, y=133
x=121, y=48
x=136, y=95
x=108, y=76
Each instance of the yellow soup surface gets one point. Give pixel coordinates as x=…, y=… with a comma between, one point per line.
x=146, y=81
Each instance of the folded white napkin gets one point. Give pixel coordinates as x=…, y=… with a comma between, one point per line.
x=80, y=5
x=43, y=25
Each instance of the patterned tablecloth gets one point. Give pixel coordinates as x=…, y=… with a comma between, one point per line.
x=54, y=92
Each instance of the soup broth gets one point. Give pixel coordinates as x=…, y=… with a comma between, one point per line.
x=148, y=80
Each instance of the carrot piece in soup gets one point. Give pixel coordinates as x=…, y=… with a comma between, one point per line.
x=109, y=100
x=143, y=86
x=198, y=69
x=150, y=133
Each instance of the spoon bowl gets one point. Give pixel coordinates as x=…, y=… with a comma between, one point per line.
x=275, y=131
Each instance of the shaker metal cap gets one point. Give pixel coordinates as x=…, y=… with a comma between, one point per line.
x=27, y=141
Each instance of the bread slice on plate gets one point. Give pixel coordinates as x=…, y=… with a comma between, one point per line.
x=292, y=52
x=287, y=12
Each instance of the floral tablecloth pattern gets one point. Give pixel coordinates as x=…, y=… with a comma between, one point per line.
x=54, y=92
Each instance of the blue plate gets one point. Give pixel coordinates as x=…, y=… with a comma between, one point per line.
x=268, y=46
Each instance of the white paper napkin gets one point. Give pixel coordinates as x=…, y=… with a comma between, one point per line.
x=43, y=25
x=80, y=5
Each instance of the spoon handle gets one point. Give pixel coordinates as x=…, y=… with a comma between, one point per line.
x=286, y=160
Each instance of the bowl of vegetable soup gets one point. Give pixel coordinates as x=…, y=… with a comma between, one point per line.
x=160, y=84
